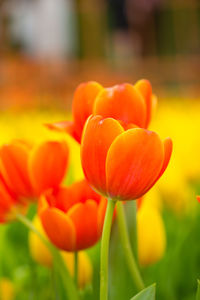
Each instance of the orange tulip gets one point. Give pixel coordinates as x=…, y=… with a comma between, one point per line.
x=9, y=203
x=73, y=216
x=28, y=171
x=131, y=105
x=127, y=103
x=121, y=164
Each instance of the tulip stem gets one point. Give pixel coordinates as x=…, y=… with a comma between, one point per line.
x=129, y=256
x=76, y=268
x=58, y=260
x=105, y=250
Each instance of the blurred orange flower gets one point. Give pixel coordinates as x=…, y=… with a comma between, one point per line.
x=28, y=171
x=77, y=214
x=9, y=202
x=122, y=164
x=132, y=105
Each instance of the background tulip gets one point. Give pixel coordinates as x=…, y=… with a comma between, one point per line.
x=48, y=164
x=41, y=255
x=151, y=235
x=28, y=170
x=7, y=290
x=76, y=212
x=9, y=203
x=132, y=105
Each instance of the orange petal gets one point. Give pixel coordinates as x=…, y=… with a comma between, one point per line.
x=83, y=101
x=82, y=191
x=168, y=152
x=133, y=163
x=59, y=228
x=62, y=198
x=65, y=126
x=144, y=87
x=97, y=137
x=84, y=218
x=198, y=199
x=48, y=164
x=121, y=102
x=14, y=167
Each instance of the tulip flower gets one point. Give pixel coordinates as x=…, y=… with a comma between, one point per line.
x=73, y=216
x=9, y=203
x=7, y=289
x=41, y=254
x=28, y=171
x=122, y=165
x=151, y=235
x=131, y=105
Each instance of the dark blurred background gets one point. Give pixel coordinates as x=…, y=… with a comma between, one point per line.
x=47, y=47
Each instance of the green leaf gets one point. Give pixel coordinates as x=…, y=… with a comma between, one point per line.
x=147, y=294
x=198, y=290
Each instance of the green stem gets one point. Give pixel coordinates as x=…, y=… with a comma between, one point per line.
x=58, y=260
x=105, y=250
x=130, y=259
x=76, y=268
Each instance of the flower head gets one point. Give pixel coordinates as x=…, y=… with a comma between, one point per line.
x=73, y=216
x=41, y=255
x=131, y=105
x=28, y=170
x=122, y=164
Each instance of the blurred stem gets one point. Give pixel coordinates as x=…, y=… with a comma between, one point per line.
x=130, y=259
x=76, y=268
x=105, y=250
x=58, y=260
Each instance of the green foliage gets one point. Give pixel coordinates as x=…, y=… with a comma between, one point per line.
x=146, y=294
x=198, y=290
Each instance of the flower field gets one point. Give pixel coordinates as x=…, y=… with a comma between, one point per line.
x=167, y=247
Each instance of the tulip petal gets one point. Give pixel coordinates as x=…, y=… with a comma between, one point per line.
x=84, y=218
x=62, y=198
x=144, y=87
x=83, y=101
x=14, y=167
x=168, y=152
x=121, y=102
x=133, y=163
x=97, y=137
x=48, y=164
x=59, y=228
x=82, y=191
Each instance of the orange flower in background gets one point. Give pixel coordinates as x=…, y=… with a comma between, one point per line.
x=48, y=165
x=122, y=164
x=14, y=167
x=9, y=202
x=131, y=105
x=73, y=216
x=82, y=108
x=28, y=171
